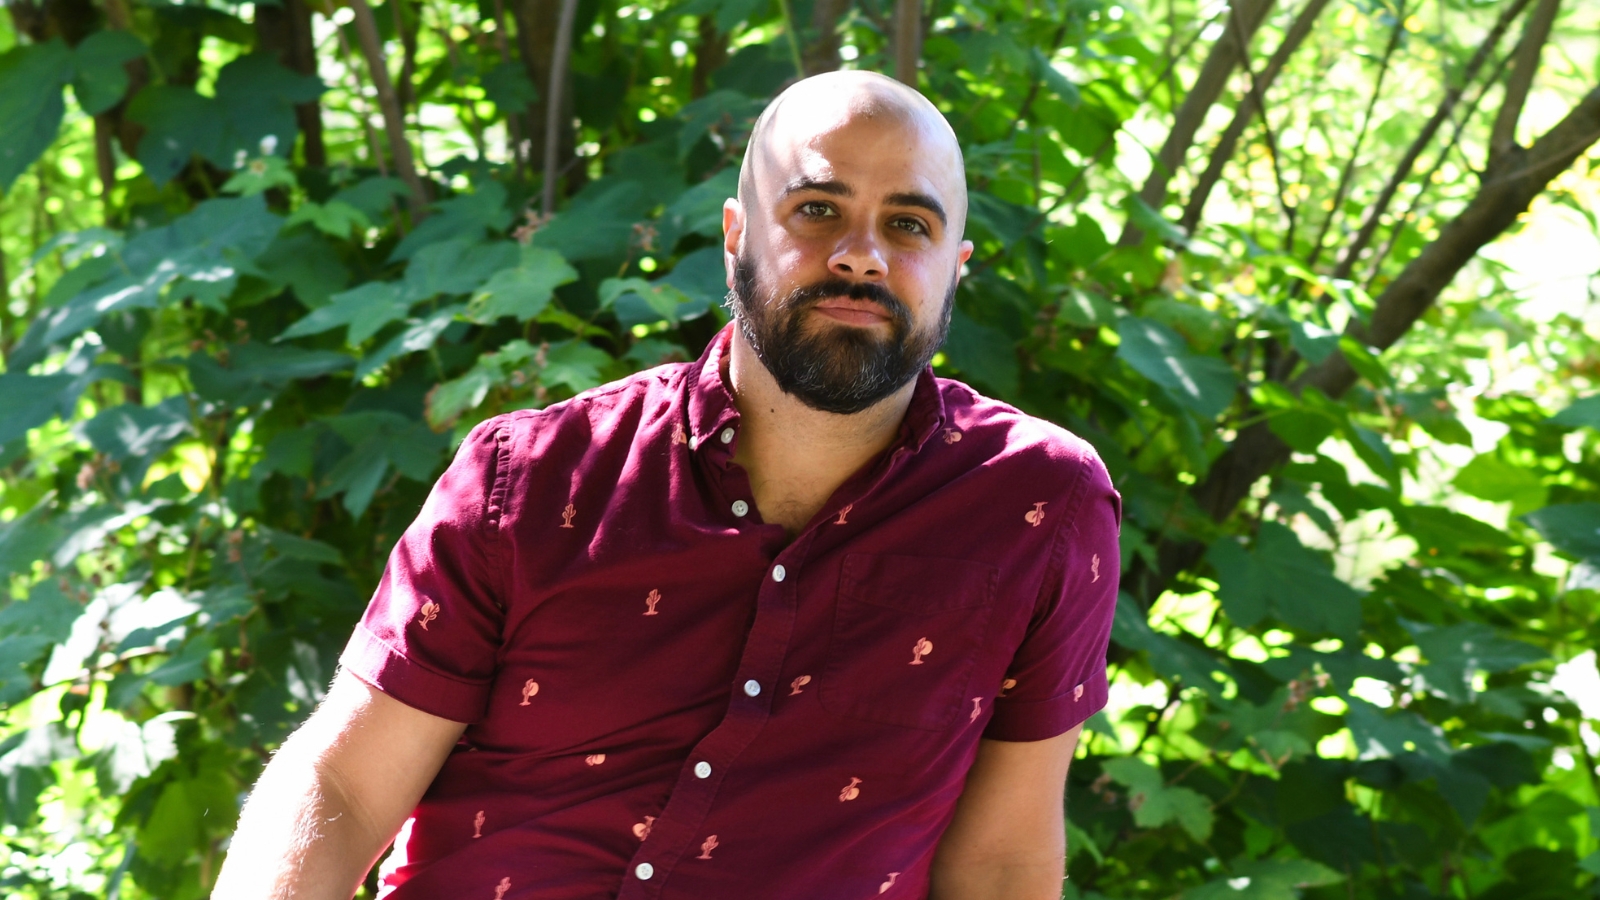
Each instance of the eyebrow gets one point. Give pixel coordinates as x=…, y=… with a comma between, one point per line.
x=840, y=189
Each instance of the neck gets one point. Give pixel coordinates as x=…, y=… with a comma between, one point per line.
x=797, y=456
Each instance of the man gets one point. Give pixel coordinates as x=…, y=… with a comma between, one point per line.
x=797, y=620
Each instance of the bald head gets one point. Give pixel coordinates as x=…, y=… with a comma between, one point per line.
x=799, y=120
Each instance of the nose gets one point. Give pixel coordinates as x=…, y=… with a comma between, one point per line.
x=859, y=255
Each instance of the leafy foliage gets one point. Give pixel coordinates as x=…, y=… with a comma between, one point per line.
x=236, y=356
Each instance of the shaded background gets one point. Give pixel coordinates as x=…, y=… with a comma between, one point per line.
x=1317, y=277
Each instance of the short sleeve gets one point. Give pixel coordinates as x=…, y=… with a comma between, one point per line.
x=431, y=635
x=1057, y=679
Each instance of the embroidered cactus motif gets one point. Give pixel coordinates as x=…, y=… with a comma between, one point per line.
x=567, y=514
x=594, y=759
x=977, y=709
x=921, y=648
x=678, y=435
x=529, y=688
x=1007, y=685
x=844, y=512
x=429, y=612
x=501, y=888
x=650, y=601
x=1035, y=516
x=850, y=791
x=1094, y=568
x=951, y=436
x=884, y=888
x=477, y=825
x=797, y=684
x=706, y=848
x=1077, y=692
x=641, y=830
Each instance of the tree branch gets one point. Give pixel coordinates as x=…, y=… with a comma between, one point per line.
x=1402, y=171
x=554, y=103
x=393, y=119
x=1503, y=137
x=1253, y=102
x=1348, y=173
x=1499, y=201
x=1208, y=86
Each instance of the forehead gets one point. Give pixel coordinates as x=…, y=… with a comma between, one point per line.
x=873, y=146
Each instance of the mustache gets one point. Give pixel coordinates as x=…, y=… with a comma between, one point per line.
x=810, y=295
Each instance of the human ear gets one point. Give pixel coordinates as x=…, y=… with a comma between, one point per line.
x=732, y=237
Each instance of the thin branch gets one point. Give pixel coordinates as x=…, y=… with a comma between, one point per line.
x=393, y=119
x=1346, y=176
x=1503, y=137
x=1191, y=114
x=1248, y=107
x=1427, y=179
x=1256, y=97
x=1402, y=171
x=554, y=103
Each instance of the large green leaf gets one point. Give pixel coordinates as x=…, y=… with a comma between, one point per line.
x=1583, y=413
x=100, y=62
x=1154, y=803
x=1267, y=879
x=1572, y=528
x=31, y=79
x=455, y=266
x=1204, y=384
x=1282, y=576
x=362, y=311
x=523, y=290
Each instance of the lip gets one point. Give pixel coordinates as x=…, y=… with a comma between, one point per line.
x=852, y=312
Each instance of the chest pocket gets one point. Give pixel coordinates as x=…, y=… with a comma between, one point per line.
x=906, y=634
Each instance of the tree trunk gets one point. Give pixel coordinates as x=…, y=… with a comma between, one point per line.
x=285, y=32
x=393, y=118
x=553, y=157
x=907, y=40
x=822, y=54
x=710, y=54
x=537, y=22
x=1219, y=65
x=1503, y=136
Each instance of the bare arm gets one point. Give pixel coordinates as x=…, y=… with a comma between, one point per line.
x=1008, y=839
x=333, y=797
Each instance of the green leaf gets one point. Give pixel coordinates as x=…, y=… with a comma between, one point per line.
x=523, y=290
x=1204, y=384
x=1087, y=309
x=982, y=354
x=1267, y=879
x=599, y=222
x=1583, y=413
x=257, y=372
x=1381, y=735
x=1280, y=574
x=420, y=334
x=1493, y=479
x=378, y=440
x=363, y=311
x=146, y=432
x=1154, y=804
x=468, y=216
x=697, y=210
x=457, y=266
x=1571, y=528
x=724, y=109
x=508, y=88
x=1054, y=80
x=29, y=538
x=100, y=62
x=574, y=363
x=1363, y=360
x=260, y=175
x=1456, y=653
x=31, y=107
x=335, y=218
x=449, y=400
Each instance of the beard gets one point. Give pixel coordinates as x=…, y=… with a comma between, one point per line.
x=833, y=368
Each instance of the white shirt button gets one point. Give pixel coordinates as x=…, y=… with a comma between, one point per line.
x=752, y=688
x=694, y=443
x=645, y=871
x=726, y=436
x=778, y=573
x=702, y=769
x=740, y=508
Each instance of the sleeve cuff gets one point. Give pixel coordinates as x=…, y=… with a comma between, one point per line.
x=1044, y=719
x=372, y=660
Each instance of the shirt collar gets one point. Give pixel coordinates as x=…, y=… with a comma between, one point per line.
x=711, y=406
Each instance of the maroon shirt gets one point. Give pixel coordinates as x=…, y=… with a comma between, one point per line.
x=669, y=698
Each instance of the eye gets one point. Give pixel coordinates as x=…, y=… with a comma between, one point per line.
x=815, y=209
x=911, y=226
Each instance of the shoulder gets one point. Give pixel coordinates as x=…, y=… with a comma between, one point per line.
x=1010, y=437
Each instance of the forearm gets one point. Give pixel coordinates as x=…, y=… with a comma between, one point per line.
x=300, y=837
x=997, y=881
